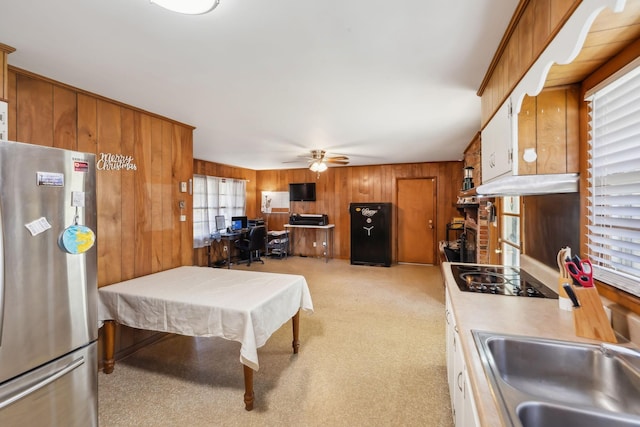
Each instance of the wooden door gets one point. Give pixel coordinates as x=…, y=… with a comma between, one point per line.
x=416, y=220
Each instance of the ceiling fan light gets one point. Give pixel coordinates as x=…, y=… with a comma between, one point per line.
x=314, y=166
x=188, y=7
x=322, y=166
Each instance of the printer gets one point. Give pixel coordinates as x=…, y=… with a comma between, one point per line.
x=308, y=219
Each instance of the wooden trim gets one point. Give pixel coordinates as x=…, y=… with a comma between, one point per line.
x=624, y=299
x=26, y=73
x=6, y=48
x=4, y=71
x=629, y=54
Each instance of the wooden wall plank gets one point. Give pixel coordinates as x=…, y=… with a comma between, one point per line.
x=109, y=198
x=35, y=111
x=13, y=110
x=168, y=220
x=573, y=129
x=128, y=208
x=87, y=124
x=156, y=196
x=65, y=116
x=143, y=182
x=185, y=174
x=176, y=167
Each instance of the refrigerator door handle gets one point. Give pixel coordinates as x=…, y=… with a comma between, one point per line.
x=43, y=383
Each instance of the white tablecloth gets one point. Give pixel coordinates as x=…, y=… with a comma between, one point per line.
x=242, y=306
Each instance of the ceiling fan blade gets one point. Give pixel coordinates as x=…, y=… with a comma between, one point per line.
x=338, y=158
x=337, y=161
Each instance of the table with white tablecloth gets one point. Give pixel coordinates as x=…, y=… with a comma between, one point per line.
x=242, y=306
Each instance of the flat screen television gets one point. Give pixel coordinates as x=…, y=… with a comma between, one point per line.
x=302, y=192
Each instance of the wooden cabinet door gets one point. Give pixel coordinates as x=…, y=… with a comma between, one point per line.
x=497, y=144
x=416, y=220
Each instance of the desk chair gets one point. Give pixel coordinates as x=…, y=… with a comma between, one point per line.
x=250, y=247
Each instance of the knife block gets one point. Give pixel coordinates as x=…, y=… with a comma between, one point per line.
x=563, y=299
x=590, y=319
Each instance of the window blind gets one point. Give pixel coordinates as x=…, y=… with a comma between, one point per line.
x=613, y=238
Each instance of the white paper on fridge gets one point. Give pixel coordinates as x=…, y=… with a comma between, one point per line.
x=38, y=226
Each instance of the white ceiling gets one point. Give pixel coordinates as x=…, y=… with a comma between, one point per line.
x=266, y=81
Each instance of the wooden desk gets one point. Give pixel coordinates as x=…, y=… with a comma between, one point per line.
x=243, y=306
x=328, y=237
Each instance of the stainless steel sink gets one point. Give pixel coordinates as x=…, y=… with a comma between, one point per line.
x=548, y=415
x=542, y=382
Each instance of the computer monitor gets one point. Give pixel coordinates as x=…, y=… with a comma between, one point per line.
x=220, y=223
x=238, y=222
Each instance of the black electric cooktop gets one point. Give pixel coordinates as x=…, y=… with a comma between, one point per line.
x=499, y=280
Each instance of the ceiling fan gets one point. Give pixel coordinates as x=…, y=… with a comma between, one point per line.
x=318, y=160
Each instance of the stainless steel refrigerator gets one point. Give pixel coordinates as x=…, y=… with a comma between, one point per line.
x=48, y=287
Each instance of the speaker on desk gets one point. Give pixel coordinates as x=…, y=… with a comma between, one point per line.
x=371, y=233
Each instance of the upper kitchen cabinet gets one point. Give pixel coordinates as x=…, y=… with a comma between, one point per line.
x=548, y=49
x=497, y=144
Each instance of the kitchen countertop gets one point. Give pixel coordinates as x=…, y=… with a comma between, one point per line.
x=539, y=317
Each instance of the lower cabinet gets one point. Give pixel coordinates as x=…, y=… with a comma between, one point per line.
x=462, y=404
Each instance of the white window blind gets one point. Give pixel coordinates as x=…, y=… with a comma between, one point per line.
x=614, y=183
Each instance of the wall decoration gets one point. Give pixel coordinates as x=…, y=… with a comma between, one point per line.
x=274, y=201
x=115, y=162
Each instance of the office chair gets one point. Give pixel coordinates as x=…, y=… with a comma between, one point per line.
x=251, y=246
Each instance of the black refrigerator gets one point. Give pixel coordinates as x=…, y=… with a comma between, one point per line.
x=371, y=233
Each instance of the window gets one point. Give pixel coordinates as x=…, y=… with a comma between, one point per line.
x=511, y=230
x=613, y=237
x=213, y=196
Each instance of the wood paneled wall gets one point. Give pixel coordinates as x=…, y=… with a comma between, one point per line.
x=339, y=186
x=534, y=24
x=335, y=189
x=139, y=229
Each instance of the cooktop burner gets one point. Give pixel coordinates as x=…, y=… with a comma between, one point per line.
x=499, y=280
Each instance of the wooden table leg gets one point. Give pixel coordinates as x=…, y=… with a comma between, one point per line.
x=248, y=388
x=109, y=346
x=296, y=322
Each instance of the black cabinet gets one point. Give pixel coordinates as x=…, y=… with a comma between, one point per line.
x=371, y=233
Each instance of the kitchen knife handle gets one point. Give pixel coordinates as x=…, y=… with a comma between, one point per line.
x=572, y=295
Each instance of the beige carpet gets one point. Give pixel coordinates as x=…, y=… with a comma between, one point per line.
x=372, y=354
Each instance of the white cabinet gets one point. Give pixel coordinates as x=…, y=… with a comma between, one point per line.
x=462, y=403
x=498, y=143
x=450, y=337
x=469, y=404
